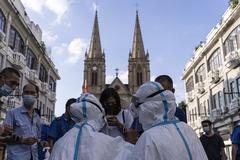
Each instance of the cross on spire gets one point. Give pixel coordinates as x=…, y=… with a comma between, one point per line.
x=116, y=72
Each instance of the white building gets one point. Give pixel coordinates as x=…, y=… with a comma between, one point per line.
x=21, y=46
x=212, y=77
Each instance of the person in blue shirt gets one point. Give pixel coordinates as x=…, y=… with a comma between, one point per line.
x=26, y=125
x=235, y=138
x=61, y=125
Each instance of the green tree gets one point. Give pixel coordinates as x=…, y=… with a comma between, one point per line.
x=182, y=105
x=233, y=3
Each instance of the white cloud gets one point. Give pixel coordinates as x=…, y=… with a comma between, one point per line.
x=123, y=76
x=35, y=5
x=76, y=50
x=60, y=50
x=58, y=7
x=49, y=37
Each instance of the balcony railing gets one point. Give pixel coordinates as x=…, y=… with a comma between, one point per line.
x=190, y=96
x=52, y=96
x=18, y=60
x=214, y=76
x=44, y=87
x=216, y=113
x=232, y=60
x=200, y=87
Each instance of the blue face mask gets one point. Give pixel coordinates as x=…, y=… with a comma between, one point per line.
x=29, y=100
x=206, y=129
x=5, y=90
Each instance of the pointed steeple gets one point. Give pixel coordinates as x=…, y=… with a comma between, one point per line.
x=95, y=50
x=137, y=48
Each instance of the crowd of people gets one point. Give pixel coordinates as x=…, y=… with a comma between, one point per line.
x=151, y=128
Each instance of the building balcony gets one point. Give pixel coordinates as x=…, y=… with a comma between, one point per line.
x=190, y=96
x=33, y=77
x=214, y=76
x=234, y=105
x=232, y=60
x=44, y=87
x=52, y=96
x=216, y=113
x=17, y=59
x=200, y=87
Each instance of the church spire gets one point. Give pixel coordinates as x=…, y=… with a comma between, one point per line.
x=137, y=48
x=95, y=50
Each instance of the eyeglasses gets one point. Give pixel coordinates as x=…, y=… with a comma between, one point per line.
x=137, y=101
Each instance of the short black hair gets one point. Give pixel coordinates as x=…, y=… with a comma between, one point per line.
x=9, y=70
x=107, y=93
x=70, y=101
x=36, y=87
x=162, y=78
x=207, y=121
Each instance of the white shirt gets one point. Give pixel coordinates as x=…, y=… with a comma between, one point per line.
x=113, y=131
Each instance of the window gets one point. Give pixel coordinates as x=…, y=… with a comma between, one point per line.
x=139, y=79
x=2, y=21
x=94, y=78
x=200, y=74
x=190, y=84
x=15, y=41
x=217, y=100
x=232, y=42
x=214, y=101
x=215, y=61
x=52, y=84
x=43, y=76
x=31, y=60
x=232, y=89
x=238, y=85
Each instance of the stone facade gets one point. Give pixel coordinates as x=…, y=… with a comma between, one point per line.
x=212, y=78
x=21, y=46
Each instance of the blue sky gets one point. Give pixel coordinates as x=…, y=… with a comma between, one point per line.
x=171, y=29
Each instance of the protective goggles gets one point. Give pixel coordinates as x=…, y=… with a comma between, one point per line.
x=136, y=101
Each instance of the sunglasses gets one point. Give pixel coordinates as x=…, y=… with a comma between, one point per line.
x=136, y=101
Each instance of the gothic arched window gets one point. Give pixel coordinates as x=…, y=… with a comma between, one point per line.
x=94, y=78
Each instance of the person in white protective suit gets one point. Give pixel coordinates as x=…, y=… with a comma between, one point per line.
x=164, y=137
x=84, y=141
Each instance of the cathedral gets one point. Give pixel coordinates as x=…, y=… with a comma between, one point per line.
x=95, y=67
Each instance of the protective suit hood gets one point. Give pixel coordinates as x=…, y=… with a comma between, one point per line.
x=89, y=110
x=153, y=104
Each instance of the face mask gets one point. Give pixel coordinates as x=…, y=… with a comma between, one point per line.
x=5, y=90
x=206, y=129
x=29, y=100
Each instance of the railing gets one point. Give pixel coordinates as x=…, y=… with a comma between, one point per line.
x=200, y=88
x=18, y=60
x=232, y=60
x=214, y=76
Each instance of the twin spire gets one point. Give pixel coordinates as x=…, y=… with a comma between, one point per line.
x=95, y=50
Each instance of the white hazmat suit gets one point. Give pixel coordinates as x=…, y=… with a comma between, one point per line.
x=84, y=141
x=164, y=137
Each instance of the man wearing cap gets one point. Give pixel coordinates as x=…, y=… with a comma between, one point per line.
x=164, y=137
x=84, y=141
